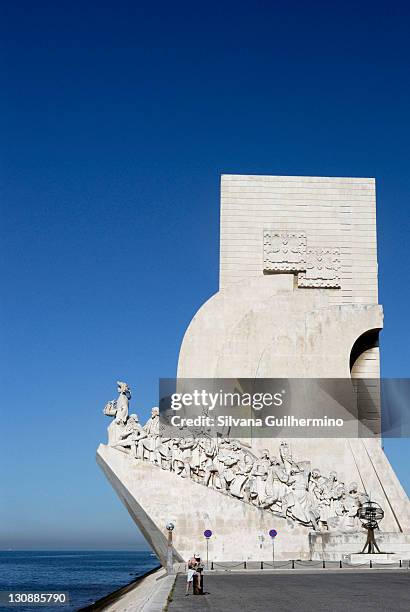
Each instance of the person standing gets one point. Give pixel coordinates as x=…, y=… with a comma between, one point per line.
x=198, y=576
x=190, y=574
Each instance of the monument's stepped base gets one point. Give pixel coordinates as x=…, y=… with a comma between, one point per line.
x=332, y=547
x=153, y=497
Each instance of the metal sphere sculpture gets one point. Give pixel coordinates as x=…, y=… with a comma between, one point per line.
x=370, y=513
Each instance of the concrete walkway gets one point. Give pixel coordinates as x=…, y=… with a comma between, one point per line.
x=149, y=595
x=299, y=591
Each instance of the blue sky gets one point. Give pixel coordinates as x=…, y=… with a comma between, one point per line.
x=117, y=120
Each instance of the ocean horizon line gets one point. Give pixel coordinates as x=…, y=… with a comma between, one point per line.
x=85, y=550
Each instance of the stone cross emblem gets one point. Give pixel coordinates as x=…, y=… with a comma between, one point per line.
x=285, y=251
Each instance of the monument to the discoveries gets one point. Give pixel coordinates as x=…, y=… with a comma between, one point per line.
x=298, y=299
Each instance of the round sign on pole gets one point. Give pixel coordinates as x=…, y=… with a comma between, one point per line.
x=207, y=533
x=273, y=533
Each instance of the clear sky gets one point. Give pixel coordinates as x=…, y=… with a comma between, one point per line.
x=117, y=120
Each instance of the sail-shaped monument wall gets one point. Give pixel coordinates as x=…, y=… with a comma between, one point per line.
x=298, y=298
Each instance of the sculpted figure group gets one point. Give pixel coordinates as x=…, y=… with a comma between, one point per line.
x=282, y=485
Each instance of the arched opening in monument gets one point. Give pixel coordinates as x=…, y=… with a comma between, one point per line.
x=365, y=373
x=367, y=341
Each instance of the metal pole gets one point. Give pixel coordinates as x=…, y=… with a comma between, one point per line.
x=207, y=563
x=273, y=553
x=170, y=566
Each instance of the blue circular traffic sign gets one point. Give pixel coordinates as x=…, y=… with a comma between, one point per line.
x=273, y=533
x=207, y=533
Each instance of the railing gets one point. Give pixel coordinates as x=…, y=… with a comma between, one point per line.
x=295, y=564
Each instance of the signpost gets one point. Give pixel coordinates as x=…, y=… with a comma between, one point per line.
x=207, y=534
x=273, y=533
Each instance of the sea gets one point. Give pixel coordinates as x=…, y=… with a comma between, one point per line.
x=85, y=575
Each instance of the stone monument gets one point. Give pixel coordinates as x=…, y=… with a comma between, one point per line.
x=298, y=298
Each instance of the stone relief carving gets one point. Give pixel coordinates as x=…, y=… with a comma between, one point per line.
x=322, y=268
x=285, y=251
x=281, y=485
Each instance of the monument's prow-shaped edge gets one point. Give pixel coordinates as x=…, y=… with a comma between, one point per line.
x=298, y=298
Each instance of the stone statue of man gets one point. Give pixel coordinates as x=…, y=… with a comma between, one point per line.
x=148, y=447
x=131, y=435
x=119, y=409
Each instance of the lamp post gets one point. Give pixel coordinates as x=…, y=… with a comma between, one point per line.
x=207, y=534
x=170, y=566
x=273, y=533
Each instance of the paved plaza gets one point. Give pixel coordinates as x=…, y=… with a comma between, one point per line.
x=302, y=591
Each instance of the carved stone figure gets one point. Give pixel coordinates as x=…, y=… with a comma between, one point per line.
x=119, y=409
x=258, y=478
x=122, y=402
x=148, y=447
x=202, y=454
x=131, y=435
x=229, y=457
x=210, y=465
x=186, y=447
x=241, y=470
x=352, y=503
x=283, y=485
x=285, y=455
x=177, y=464
x=277, y=486
x=164, y=453
x=339, y=501
x=353, y=490
x=297, y=501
